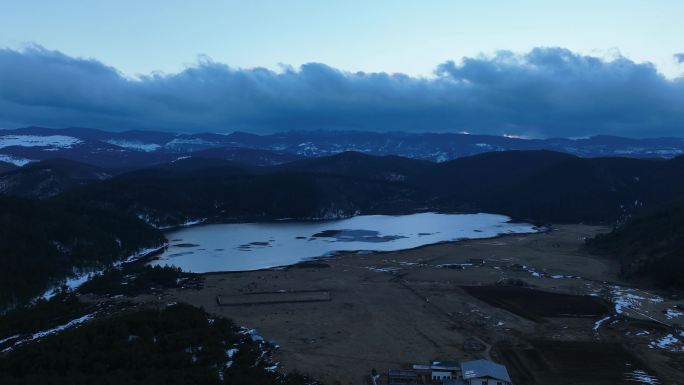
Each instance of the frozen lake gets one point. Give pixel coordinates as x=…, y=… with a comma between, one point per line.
x=253, y=246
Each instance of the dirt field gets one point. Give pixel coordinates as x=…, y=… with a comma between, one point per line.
x=388, y=310
x=536, y=305
x=572, y=363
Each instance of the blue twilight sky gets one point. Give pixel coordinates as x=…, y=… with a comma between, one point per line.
x=536, y=68
x=391, y=36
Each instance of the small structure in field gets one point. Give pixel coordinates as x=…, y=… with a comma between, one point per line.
x=477, y=372
x=402, y=377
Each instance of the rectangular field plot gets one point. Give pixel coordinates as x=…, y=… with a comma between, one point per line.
x=574, y=363
x=274, y=297
x=536, y=304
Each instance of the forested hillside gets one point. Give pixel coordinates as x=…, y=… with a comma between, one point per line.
x=538, y=186
x=650, y=245
x=49, y=178
x=165, y=200
x=43, y=242
x=178, y=345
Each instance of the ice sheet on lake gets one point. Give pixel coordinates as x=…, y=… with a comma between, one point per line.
x=292, y=242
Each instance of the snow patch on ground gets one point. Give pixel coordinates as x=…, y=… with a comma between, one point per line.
x=670, y=343
x=673, y=312
x=598, y=323
x=56, y=329
x=140, y=253
x=14, y=160
x=187, y=223
x=56, y=141
x=252, y=333
x=558, y=276
x=134, y=145
x=74, y=282
x=626, y=298
x=10, y=338
x=183, y=142
x=641, y=377
x=230, y=353
x=381, y=269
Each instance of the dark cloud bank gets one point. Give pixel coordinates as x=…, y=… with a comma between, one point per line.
x=546, y=92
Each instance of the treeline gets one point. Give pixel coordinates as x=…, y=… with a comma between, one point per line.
x=177, y=345
x=649, y=245
x=43, y=315
x=137, y=279
x=168, y=201
x=43, y=242
x=540, y=186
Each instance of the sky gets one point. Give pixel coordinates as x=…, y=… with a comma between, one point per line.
x=533, y=68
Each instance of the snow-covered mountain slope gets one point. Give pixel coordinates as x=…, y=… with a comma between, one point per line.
x=46, y=141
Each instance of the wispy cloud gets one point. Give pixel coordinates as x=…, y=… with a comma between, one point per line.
x=545, y=92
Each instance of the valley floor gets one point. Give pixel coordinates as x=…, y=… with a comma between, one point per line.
x=340, y=318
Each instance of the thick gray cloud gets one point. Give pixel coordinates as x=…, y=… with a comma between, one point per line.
x=545, y=92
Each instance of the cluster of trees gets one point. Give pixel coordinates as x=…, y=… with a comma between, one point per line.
x=43, y=315
x=135, y=279
x=42, y=242
x=177, y=345
x=649, y=245
x=164, y=200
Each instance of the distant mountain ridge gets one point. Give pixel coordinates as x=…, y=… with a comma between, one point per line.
x=142, y=148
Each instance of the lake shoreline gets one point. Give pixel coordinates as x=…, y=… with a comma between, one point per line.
x=238, y=247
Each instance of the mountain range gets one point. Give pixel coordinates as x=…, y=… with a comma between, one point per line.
x=132, y=149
